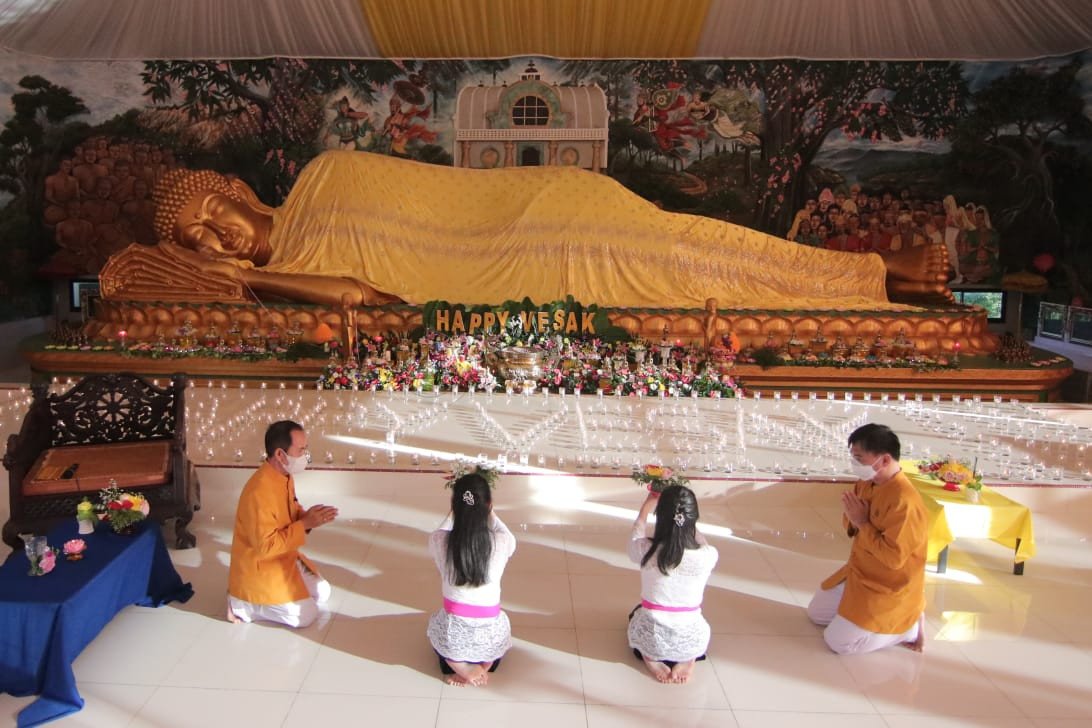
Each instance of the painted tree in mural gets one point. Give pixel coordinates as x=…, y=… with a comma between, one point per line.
x=31, y=138
x=31, y=142
x=804, y=102
x=272, y=107
x=1023, y=128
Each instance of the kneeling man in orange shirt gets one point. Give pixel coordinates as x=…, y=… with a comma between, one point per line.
x=877, y=599
x=269, y=578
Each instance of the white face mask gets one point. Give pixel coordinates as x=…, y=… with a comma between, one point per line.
x=295, y=466
x=861, y=471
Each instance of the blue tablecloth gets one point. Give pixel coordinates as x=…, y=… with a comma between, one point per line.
x=46, y=621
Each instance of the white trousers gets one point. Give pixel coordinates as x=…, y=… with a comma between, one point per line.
x=844, y=637
x=294, y=614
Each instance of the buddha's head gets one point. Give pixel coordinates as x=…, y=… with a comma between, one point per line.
x=213, y=215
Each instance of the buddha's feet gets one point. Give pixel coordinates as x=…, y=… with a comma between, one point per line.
x=918, y=275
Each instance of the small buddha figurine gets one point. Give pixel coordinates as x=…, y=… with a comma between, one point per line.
x=256, y=340
x=273, y=338
x=665, y=349
x=818, y=344
x=901, y=346
x=294, y=334
x=839, y=349
x=212, y=337
x=234, y=335
x=860, y=350
x=794, y=341
x=186, y=337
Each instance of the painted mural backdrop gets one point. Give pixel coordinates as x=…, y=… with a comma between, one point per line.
x=992, y=159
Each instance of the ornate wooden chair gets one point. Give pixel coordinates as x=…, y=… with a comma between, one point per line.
x=108, y=427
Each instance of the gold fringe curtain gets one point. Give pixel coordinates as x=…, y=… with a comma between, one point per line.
x=560, y=28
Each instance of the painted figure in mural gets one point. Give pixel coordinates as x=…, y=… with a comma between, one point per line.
x=406, y=107
x=352, y=128
x=92, y=224
x=981, y=246
x=956, y=226
x=348, y=233
x=60, y=189
x=89, y=170
x=727, y=112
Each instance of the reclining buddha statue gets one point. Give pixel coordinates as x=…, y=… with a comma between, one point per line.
x=361, y=229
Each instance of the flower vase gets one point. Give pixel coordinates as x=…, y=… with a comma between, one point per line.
x=40, y=557
x=972, y=494
x=87, y=526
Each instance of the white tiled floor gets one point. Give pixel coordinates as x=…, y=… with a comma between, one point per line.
x=1003, y=651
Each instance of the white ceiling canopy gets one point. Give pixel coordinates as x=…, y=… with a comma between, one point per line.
x=741, y=29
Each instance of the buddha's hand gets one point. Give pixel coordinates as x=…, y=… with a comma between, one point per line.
x=218, y=268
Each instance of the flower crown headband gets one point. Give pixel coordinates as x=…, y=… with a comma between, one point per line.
x=464, y=467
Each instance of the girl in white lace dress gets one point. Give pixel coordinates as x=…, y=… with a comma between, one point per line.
x=667, y=630
x=471, y=633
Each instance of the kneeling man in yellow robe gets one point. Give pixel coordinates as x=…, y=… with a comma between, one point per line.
x=877, y=599
x=269, y=578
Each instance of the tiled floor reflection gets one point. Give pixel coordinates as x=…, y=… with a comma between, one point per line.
x=1003, y=651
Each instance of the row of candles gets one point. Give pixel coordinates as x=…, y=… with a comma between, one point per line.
x=795, y=435
x=775, y=436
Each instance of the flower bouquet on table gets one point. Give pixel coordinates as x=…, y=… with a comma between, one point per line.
x=955, y=475
x=657, y=477
x=120, y=509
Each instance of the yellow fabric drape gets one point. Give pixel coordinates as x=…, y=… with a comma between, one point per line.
x=951, y=516
x=560, y=28
x=425, y=232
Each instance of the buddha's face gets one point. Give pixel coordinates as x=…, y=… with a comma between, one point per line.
x=219, y=226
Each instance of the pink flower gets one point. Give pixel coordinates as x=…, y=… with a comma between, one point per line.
x=48, y=561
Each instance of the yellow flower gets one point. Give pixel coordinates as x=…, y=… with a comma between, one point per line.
x=654, y=471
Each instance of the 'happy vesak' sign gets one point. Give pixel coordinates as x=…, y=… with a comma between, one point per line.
x=566, y=317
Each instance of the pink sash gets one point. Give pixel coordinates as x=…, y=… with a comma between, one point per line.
x=661, y=608
x=470, y=610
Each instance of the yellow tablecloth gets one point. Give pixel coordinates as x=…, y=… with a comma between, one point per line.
x=952, y=516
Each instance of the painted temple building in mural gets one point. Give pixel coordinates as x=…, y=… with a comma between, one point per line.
x=531, y=123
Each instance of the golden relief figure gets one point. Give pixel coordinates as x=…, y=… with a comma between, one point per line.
x=360, y=228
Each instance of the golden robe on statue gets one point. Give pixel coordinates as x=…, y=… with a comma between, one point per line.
x=420, y=232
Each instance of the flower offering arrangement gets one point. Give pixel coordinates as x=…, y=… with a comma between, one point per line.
x=953, y=473
x=120, y=509
x=657, y=477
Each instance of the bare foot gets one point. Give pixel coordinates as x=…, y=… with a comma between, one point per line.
x=918, y=643
x=682, y=671
x=455, y=681
x=231, y=615
x=470, y=673
x=659, y=670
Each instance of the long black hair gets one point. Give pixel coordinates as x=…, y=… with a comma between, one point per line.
x=676, y=527
x=470, y=542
